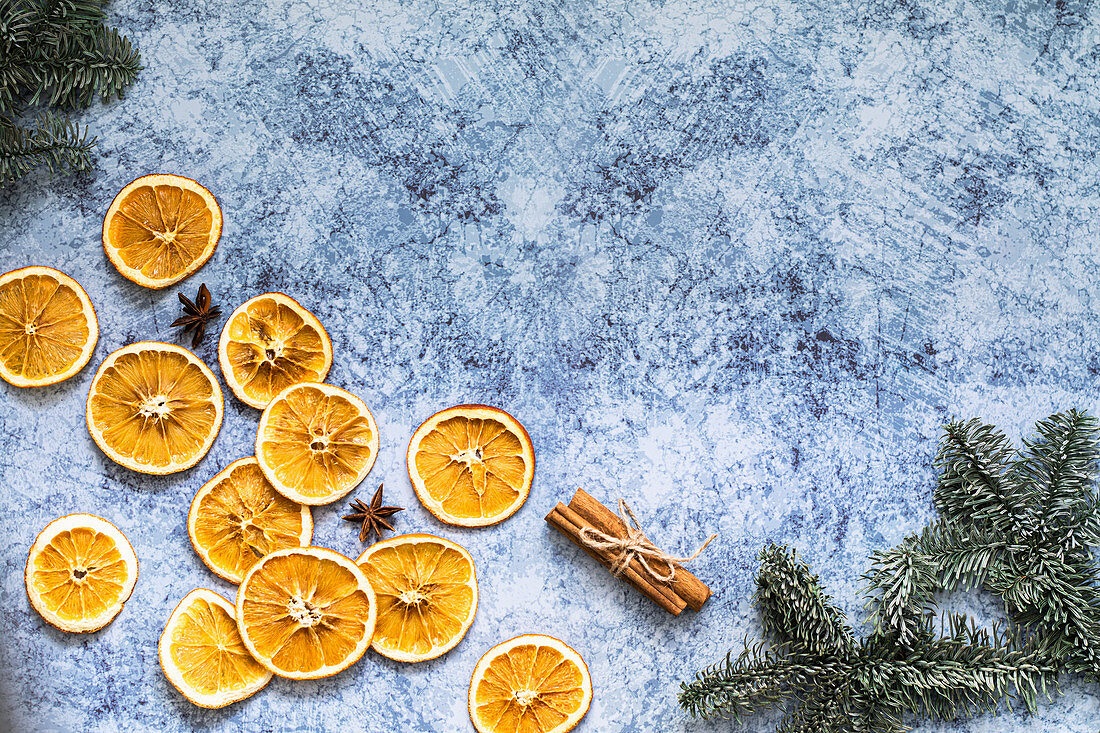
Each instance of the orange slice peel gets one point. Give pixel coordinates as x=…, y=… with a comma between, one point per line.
x=471, y=465
x=427, y=595
x=202, y=655
x=80, y=571
x=48, y=327
x=237, y=517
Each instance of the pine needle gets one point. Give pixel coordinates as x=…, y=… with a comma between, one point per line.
x=1022, y=524
x=52, y=142
x=55, y=56
x=826, y=680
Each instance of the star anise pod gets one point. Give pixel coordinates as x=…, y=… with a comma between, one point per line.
x=373, y=516
x=196, y=315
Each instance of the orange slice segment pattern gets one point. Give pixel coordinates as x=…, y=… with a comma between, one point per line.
x=237, y=517
x=270, y=343
x=202, y=654
x=80, y=554
x=427, y=595
x=48, y=327
x=80, y=572
x=316, y=443
x=306, y=613
x=531, y=684
x=161, y=228
x=154, y=408
x=471, y=465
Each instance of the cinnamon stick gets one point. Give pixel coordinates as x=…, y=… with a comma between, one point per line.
x=570, y=523
x=693, y=591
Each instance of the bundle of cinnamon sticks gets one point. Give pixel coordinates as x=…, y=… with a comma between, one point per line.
x=683, y=591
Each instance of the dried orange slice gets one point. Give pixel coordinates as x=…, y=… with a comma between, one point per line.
x=316, y=443
x=154, y=408
x=160, y=229
x=48, y=327
x=269, y=344
x=427, y=595
x=202, y=654
x=306, y=612
x=471, y=465
x=530, y=684
x=236, y=518
x=80, y=571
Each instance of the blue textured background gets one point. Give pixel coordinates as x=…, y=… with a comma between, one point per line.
x=736, y=262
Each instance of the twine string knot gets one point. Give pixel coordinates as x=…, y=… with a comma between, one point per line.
x=635, y=544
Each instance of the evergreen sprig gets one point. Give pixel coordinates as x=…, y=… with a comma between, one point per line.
x=814, y=624
x=53, y=142
x=829, y=681
x=55, y=55
x=1022, y=524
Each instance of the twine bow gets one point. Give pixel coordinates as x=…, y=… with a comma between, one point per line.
x=636, y=545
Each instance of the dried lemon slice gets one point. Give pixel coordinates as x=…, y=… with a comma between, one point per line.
x=154, y=407
x=306, y=613
x=533, y=684
x=48, y=328
x=427, y=595
x=316, y=443
x=237, y=517
x=269, y=344
x=471, y=465
x=80, y=571
x=160, y=229
x=202, y=654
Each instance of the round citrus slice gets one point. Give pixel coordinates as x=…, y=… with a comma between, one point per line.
x=533, y=684
x=427, y=595
x=160, y=229
x=80, y=571
x=48, y=327
x=154, y=408
x=306, y=612
x=269, y=344
x=316, y=443
x=202, y=654
x=471, y=465
x=236, y=518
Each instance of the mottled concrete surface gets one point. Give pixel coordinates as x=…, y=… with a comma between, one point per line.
x=736, y=262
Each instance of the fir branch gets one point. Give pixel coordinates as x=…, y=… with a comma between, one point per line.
x=944, y=556
x=973, y=459
x=1047, y=575
x=795, y=609
x=1023, y=525
x=1082, y=528
x=1060, y=602
x=757, y=679
x=874, y=719
x=871, y=684
x=821, y=709
x=55, y=55
x=968, y=671
x=54, y=18
x=71, y=74
x=53, y=142
x=1057, y=469
x=899, y=580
